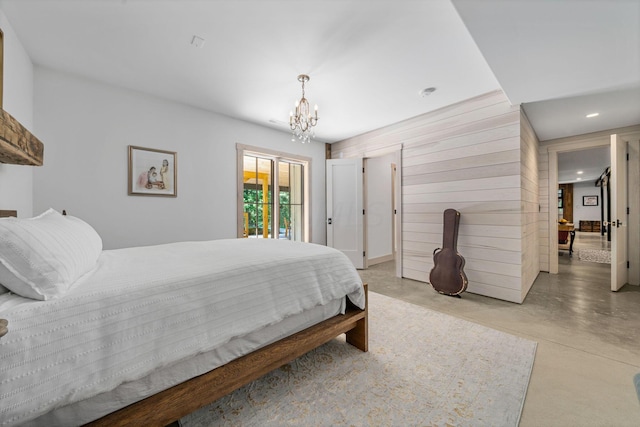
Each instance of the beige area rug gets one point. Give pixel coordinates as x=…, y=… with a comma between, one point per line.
x=595, y=255
x=424, y=368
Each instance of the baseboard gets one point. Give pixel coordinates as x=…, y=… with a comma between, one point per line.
x=380, y=259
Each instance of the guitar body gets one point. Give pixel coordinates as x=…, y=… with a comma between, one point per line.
x=447, y=275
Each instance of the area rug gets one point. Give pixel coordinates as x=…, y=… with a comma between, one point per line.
x=423, y=368
x=595, y=255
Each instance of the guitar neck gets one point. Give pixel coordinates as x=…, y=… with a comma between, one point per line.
x=450, y=229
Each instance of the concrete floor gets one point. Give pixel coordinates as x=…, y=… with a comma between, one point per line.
x=588, y=338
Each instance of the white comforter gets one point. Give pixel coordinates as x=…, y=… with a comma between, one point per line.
x=147, y=307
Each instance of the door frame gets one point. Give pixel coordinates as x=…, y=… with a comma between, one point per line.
x=553, y=151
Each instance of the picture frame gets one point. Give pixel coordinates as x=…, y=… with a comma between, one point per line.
x=589, y=200
x=152, y=172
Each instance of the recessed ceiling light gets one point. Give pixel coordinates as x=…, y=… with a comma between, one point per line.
x=578, y=179
x=580, y=172
x=592, y=115
x=426, y=92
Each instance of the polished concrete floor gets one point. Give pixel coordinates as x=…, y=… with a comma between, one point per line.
x=588, y=339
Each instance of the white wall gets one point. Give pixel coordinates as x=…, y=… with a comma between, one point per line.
x=379, y=209
x=634, y=210
x=585, y=213
x=86, y=127
x=16, y=181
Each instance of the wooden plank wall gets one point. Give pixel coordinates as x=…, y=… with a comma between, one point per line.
x=543, y=216
x=530, y=204
x=466, y=156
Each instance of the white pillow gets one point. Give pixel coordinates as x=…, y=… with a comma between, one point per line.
x=42, y=257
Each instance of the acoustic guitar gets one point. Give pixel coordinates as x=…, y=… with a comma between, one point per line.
x=447, y=275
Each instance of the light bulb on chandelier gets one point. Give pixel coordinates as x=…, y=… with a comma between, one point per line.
x=302, y=122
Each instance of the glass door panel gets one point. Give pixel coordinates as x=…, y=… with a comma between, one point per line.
x=257, y=196
x=291, y=200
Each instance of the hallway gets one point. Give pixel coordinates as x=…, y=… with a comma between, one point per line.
x=589, y=241
x=588, y=339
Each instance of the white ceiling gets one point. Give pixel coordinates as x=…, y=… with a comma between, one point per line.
x=584, y=165
x=367, y=59
x=563, y=59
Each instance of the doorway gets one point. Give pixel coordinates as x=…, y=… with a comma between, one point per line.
x=581, y=205
x=379, y=204
x=377, y=215
x=627, y=220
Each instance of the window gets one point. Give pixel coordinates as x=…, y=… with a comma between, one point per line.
x=560, y=198
x=264, y=178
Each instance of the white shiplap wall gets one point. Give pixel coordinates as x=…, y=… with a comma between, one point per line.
x=530, y=204
x=543, y=198
x=467, y=156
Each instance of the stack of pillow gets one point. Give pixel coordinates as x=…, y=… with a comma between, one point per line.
x=43, y=257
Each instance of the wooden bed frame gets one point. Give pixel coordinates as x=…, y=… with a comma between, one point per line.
x=170, y=405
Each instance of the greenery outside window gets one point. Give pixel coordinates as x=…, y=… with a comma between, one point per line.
x=264, y=178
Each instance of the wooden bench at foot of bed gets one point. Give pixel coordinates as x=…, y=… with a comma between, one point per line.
x=172, y=404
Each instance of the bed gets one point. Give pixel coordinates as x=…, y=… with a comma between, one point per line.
x=146, y=335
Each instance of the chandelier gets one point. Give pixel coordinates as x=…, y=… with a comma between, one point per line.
x=302, y=122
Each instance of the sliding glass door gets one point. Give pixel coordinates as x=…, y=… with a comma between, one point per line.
x=291, y=197
x=265, y=179
x=257, y=197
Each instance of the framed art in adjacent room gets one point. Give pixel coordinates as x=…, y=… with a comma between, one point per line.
x=589, y=200
x=152, y=172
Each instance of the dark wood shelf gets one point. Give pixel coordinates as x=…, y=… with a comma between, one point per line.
x=592, y=226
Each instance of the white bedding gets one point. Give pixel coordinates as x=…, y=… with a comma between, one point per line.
x=148, y=307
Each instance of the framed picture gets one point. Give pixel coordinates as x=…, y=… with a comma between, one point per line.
x=152, y=172
x=589, y=200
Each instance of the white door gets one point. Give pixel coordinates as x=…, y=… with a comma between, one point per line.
x=619, y=228
x=345, y=214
